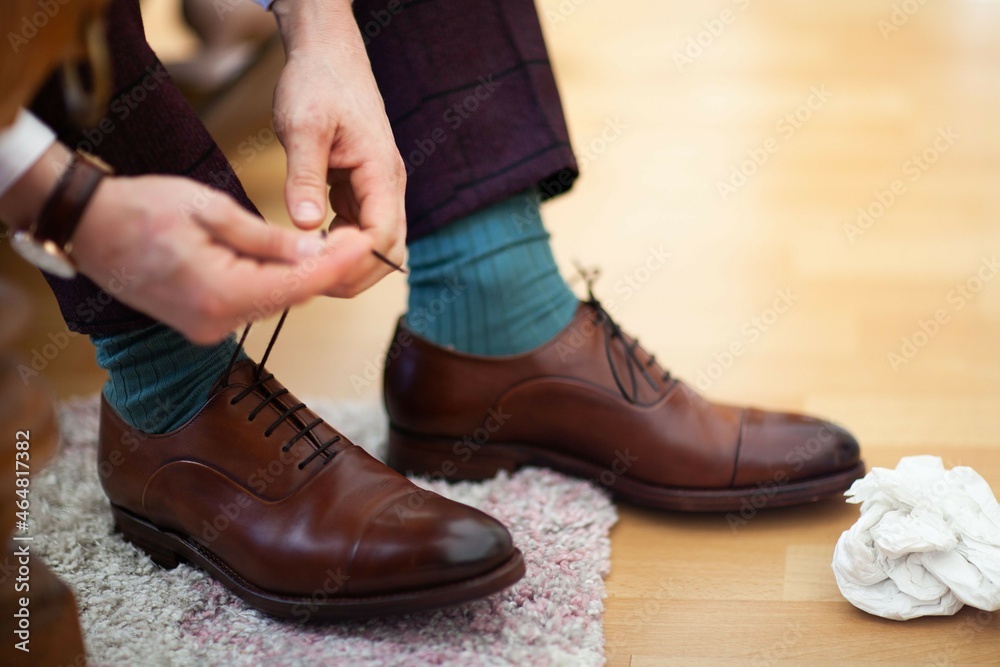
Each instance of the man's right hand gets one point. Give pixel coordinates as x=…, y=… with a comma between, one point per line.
x=191, y=257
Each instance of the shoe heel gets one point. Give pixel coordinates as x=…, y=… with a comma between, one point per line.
x=145, y=537
x=448, y=459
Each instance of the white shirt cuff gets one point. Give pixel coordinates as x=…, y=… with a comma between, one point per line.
x=266, y=4
x=21, y=145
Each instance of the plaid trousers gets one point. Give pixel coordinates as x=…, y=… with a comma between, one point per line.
x=468, y=88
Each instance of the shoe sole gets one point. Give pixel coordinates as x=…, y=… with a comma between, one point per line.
x=169, y=549
x=440, y=458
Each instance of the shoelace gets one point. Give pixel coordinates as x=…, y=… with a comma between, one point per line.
x=613, y=332
x=322, y=449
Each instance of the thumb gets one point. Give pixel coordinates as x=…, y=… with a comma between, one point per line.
x=231, y=225
x=305, y=187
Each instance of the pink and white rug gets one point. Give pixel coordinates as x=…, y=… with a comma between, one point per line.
x=134, y=613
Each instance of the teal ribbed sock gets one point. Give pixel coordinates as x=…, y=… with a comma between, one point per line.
x=157, y=378
x=488, y=284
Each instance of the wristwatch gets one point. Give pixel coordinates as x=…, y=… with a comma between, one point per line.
x=46, y=244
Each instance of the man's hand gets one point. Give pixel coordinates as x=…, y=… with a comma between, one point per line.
x=193, y=258
x=331, y=120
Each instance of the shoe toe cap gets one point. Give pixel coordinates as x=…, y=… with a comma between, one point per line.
x=784, y=447
x=424, y=540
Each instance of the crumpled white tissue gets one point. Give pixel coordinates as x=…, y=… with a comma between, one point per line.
x=927, y=542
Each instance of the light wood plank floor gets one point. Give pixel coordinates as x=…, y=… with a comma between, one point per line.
x=840, y=104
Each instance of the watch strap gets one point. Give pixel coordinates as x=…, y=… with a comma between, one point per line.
x=62, y=211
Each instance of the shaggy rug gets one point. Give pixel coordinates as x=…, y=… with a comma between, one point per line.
x=134, y=613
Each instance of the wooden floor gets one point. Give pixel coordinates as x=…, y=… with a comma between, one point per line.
x=743, y=138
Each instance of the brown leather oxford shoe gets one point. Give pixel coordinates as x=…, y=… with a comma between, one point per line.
x=593, y=404
x=292, y=517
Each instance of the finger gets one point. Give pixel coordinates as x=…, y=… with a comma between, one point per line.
x=382, y=212
x=308, y=147
x=342, y=198
x=220, y=291
x=367, y=270
x=341, y=221
x=327, y=271
x=230, y=224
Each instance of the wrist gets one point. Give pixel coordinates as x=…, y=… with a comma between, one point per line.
x=310, y=23
x=47, y=243
x=23, y=203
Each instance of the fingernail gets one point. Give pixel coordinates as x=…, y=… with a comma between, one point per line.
x=310, y=246
x=307, y=211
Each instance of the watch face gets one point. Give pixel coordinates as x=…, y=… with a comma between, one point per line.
x=43, y=254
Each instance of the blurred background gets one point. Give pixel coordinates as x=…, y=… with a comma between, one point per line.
x=825, y=179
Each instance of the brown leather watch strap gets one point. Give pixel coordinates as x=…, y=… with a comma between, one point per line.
x=65, y=206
